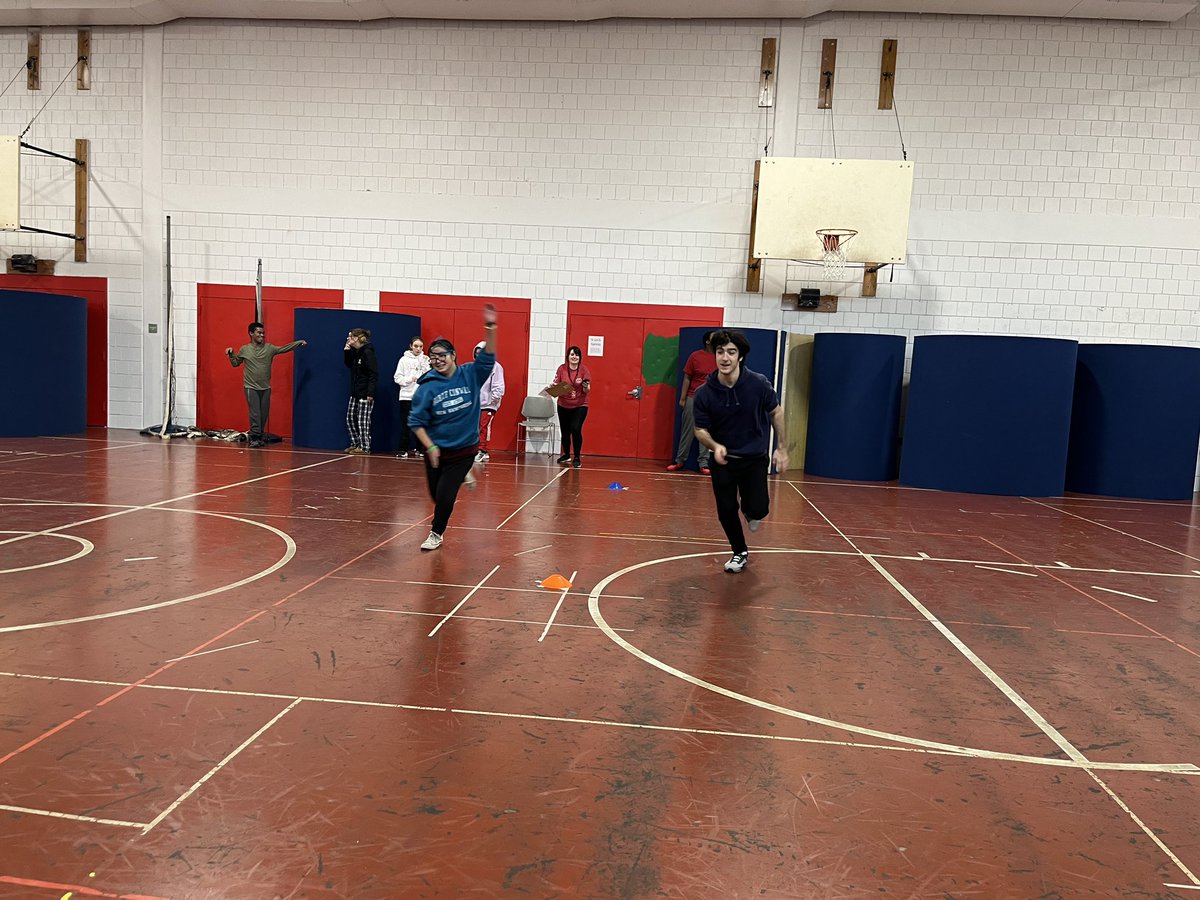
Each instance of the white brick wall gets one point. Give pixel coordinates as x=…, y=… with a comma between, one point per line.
x=1056, y=169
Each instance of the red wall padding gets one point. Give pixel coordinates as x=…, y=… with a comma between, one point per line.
x=460, y=318
x=223, y=312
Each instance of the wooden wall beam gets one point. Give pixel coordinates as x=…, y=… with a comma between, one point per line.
x=828, y=65
x=81, y=199
x=83, y=75
x=754, y=267
x=767, y=68
x=33, y=62
x=887, y=75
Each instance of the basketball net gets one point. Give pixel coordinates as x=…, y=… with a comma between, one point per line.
x=833, y=249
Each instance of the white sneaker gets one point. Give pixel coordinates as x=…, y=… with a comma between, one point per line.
x=481, y=456
x=754, y=524
x=736, y=563
x=432, y=542
x=469, y=481
x=403, y=454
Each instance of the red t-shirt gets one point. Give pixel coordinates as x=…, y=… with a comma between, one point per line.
x=698, y=367
x=577, y=396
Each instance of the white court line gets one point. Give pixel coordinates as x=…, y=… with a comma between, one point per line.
x=413, y=612
x=74, y=818
x=289, y=552
x=1009, y=571
x=85, y=548
x=919, y=553
x=131, y=509
x=1117, y=530
x=558, y=606
x=458, y=606
x=1182, y=887
x=1096, y=587
x=534, y=550
x=904, y=739
x=140, y=558
x=451, y=584
x=217, y=650
x=218, y=767
x=1062, y=565
x=930, y=747
x=561, y=473
x=984, y=669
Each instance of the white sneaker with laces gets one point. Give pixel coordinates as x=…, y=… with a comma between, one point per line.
x=403, y=454
x=736, y=563
x=432, y=542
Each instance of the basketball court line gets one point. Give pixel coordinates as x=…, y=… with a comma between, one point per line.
x=947, y=750
x=446, y=618
x=1120, y=532
x=557, y=606
x=72, y=889
x=1096, y=587
x=1008, y=571
x=415, y=612
x=130, y=509
x=537, y=494
x=85, y=547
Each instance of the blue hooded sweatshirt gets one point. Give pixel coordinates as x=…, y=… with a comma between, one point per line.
x=448, y=408
x=740, y=416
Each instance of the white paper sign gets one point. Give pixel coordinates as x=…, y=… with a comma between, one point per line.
x=595, y=345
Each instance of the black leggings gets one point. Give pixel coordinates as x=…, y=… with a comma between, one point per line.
x=570, y=423
x=444, y=482
x=745, y=476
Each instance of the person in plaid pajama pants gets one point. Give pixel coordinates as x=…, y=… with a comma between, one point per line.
x=359, y=356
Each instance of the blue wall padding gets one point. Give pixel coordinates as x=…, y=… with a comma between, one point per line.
x=1135, y=425
x=854, y=406
x=321, y=384
x=44, y=364
x=989, y=415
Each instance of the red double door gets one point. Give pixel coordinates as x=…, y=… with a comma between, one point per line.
x=459, y=319
x=632, y=352
x=224, y=311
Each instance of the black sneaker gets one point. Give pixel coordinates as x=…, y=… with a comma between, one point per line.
x=737, y=562
x=577, y=464
x=564, y=460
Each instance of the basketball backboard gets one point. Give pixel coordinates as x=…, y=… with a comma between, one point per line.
x=10, y=183
x=798, y=196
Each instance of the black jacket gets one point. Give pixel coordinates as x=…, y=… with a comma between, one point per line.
x=364, y=371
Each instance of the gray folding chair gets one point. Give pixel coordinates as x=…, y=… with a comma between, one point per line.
x=539, y=423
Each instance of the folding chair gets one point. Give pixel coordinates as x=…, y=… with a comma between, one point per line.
x=540, y=423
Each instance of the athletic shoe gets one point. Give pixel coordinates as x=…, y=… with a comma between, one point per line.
x=754, y=524
x=356, y=451
x=577, y=464
x=403, y=454
x=349, y=449
x=736, y=563
x=482, y=456
x=432, y=542
x=469, y=481
x=705, y=470
x=564, y=460
x=674, y=467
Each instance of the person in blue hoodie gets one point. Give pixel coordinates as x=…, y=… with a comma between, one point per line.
x=445, y=419
x=735, y=411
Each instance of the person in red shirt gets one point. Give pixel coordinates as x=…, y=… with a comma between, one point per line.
x=696, y=370
x=575, y=382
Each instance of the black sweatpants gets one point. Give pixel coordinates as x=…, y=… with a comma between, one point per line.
x=570, y=423
x=444, y=482
x=744, y=477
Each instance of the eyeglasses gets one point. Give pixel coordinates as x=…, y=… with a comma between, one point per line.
x=438, y=355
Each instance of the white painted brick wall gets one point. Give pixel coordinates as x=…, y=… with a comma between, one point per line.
x=1057, y=168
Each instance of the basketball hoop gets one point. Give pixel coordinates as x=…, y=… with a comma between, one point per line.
x=833, y=252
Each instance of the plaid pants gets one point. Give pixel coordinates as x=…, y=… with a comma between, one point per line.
x=358, y=422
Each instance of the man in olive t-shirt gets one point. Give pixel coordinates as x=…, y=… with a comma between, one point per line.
x=257, y=357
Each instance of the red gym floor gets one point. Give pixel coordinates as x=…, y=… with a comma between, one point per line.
x=232, y=674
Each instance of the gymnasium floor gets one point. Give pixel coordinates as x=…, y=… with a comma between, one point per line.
x=232, y=674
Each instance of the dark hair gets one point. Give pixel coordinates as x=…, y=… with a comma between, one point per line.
x=361, y=332
x=708, y=336
x=443, y=343
x=576, y=351
x=415, y=337
x=250, y=328
x=729, y=336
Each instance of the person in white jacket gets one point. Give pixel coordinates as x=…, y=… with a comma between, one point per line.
x=491, y=392
x=412, y=365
